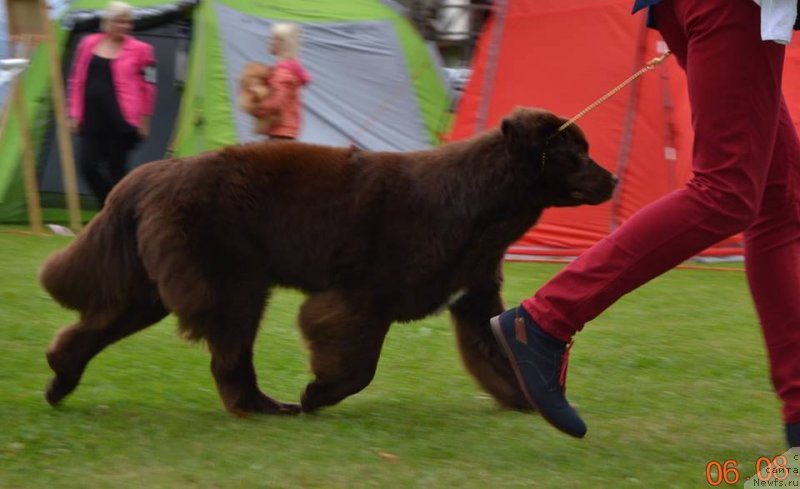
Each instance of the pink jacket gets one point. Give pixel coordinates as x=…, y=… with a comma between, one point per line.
x=286, y=80
x=135, y=94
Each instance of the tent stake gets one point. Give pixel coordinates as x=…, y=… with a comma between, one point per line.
x=66, y=154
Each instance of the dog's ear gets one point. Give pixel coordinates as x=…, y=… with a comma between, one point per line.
x=514, y=133
x=526, y=128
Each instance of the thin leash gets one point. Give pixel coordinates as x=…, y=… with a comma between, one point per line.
x=649, y=66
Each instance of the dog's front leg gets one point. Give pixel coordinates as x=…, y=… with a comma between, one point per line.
x=480, y=352
x=345, y=346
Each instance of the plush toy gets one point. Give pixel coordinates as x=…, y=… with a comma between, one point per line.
x=253, y=89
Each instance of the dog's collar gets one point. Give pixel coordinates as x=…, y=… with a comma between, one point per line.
x=547, y=143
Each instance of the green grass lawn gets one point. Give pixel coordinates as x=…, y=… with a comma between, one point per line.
x=671, y=377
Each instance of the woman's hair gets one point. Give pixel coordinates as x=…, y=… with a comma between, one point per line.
x=290, y=34
x=115, y=10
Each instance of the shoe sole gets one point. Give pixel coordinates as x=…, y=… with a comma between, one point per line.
x=494, y=324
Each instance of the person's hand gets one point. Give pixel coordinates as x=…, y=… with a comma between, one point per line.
x=73, y=125
x=144, y=127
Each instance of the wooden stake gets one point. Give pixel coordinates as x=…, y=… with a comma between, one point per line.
x=67, y=158
x=28, y=159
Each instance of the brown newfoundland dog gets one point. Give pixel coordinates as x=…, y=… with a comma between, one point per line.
x=371, y=237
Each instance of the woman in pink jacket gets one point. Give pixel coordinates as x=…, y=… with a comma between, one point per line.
x=288, y=77
x=111, y=98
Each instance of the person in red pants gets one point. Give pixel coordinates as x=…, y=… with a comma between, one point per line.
x=746, y=163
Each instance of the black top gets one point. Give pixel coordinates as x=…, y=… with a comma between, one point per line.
x=101, y=112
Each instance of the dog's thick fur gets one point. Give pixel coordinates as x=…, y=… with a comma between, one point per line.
x=371, y=237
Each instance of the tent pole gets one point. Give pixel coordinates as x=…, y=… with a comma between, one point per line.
x=28, y=159
x=7, y=109
x=499, y=9
x=628, y=123
x=66, y=155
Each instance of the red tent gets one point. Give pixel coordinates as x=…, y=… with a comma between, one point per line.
x=562, y=55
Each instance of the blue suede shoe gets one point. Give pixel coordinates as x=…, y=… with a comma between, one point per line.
x=540, y=364
x=793, y=434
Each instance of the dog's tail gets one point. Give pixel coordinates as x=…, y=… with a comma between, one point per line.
x=95, y=270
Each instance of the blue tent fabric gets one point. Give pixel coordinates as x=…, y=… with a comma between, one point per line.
x=361, y=91
x=3, y=52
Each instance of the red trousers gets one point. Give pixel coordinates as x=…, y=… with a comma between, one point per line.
x=746, y=164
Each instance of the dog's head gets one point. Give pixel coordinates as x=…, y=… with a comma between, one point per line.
x=559, y=160
x=254, y=74
x=256, y=70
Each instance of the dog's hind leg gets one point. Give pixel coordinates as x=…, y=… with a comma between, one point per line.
x=76, y=345
x=345, y=347
x=230, y=329
x=479, y=350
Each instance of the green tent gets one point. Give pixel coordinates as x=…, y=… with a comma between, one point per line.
x=375, y=83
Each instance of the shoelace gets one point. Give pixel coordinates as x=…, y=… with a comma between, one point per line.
x=562, y=378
